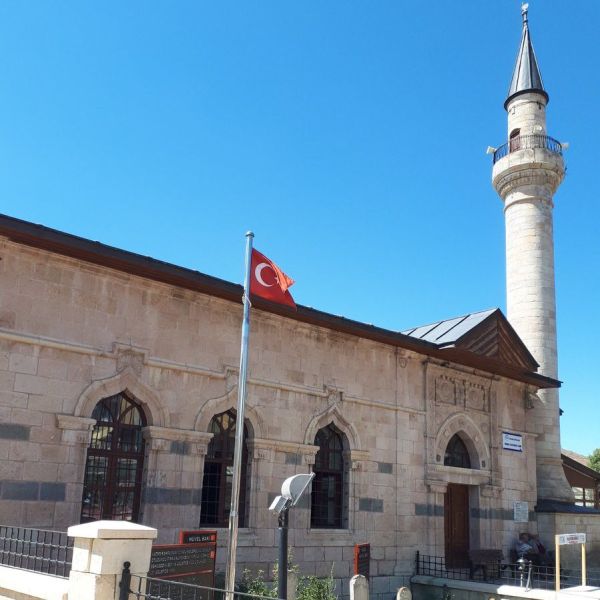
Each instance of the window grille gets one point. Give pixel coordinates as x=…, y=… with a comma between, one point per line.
x=115, y=457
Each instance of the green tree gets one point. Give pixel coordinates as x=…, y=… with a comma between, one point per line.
x=595, y=459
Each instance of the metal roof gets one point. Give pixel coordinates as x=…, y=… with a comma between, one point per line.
x=449, y=331
x=526, y=75
x=556, y=506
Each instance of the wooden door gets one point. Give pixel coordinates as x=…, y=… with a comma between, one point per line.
x=456, y=525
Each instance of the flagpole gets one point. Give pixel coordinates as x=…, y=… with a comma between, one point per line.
x=239, y=429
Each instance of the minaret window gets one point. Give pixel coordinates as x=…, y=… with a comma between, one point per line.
x=515, y=140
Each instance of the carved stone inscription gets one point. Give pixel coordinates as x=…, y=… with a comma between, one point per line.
x=445, y=390
x=476, y=397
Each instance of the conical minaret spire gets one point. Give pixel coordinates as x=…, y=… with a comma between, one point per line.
x=527, y=171
x=526, y=75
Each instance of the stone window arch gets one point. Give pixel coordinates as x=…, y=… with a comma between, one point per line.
x=127, y=382
x=472, y=437
x=218, y=472
x=115, y=460
x=329, y=498
x=457, y=453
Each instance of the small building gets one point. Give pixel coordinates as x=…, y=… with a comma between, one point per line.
x=584, y=481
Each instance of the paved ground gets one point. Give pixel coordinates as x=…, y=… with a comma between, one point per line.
x=580, y=592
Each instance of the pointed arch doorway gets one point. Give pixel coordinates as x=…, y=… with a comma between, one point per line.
x=456, y=525
x=456, y=507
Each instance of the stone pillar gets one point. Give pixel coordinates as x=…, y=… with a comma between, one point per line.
x=292, y=585
x=355, y=461
x=359, y=588
x=99, y=551
x=76, y=434
x=490, y=502
x=260, y=473
x=173, y=483
x=435, y=534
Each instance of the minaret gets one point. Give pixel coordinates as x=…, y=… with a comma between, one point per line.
x=527, y=171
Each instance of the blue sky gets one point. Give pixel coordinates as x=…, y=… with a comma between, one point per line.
x=349, y=136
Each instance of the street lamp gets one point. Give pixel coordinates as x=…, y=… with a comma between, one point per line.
x=291, y=491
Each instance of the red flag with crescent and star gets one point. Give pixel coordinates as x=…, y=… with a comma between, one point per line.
x=268, y=281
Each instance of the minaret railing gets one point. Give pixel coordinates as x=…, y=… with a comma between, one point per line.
x=523, y=142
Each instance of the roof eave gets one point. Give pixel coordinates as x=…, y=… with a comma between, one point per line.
x=491, y=365
x=577, y=466
x=52, y=240
x=516, y=336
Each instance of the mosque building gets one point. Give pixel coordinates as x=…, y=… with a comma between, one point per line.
x=119, y=377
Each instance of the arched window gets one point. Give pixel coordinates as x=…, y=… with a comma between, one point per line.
x=515, y=140
x=115, y=458
x=218, y=472
x=457, y=454
x=327, y=499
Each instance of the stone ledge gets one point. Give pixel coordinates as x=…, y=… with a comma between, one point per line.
x=282, y=446
x=75, y=430
x=112, y=530
x=176, y=435
x=507, y=591
x=73, y=423
x=436, y=474
x=34, y=585
x=359, y=455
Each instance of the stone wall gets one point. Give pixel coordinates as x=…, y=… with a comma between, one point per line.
x=573, y=523
x=431, y=588
x=25, y=585
x=72, y=333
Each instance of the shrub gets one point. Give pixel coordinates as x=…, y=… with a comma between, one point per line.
x=309, y=588
x=313, y=588
x=256, y=584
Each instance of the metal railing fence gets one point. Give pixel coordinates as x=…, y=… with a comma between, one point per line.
x=517, y=574
x=38, y=550
x=522, y=142
x=150, y=588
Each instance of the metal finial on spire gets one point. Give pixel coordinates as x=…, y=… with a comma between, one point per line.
x=526, y=75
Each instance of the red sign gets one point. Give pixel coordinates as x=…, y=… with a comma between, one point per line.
x=190, y=561
x=198, y=536
x=362, y=559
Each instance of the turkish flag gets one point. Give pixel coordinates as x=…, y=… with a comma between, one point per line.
x=268, y=281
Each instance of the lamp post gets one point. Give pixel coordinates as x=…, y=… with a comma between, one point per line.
x=291, y=491
x=283, y=553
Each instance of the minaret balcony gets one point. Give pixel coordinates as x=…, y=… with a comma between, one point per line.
x=527, y=160
x=527, y=142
